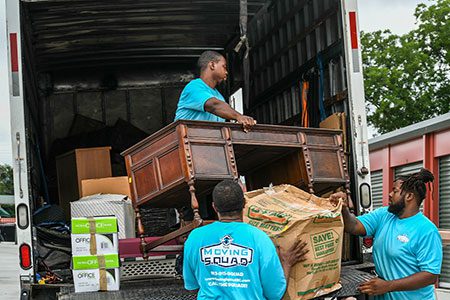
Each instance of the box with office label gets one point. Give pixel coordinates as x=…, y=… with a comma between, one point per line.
x=93, y=273
x=96, y=235
x=106, y=243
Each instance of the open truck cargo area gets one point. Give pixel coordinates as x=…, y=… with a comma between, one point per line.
x=99, y=74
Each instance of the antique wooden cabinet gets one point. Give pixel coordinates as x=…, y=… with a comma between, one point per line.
x=188, y=158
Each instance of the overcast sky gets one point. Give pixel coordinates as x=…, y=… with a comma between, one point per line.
x=396, y=15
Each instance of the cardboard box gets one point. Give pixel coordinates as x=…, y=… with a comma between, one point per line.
x=108, y=204
x=287, y=214
x=89, y=280
x=94, y=235
x=107, y=243
x=74, y=166
x=108, y=185
x=96, y=273
x=337, y=121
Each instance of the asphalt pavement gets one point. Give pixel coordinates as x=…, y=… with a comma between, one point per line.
x=9, y=271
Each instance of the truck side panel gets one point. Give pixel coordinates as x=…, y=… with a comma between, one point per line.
x=358, y=122
x=19, y=138
x=356, y=98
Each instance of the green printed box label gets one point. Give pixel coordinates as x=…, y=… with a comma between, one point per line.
x=328, y=218
x=102, y=225
x=90, y=262
x=325, y=243
x=268, y=215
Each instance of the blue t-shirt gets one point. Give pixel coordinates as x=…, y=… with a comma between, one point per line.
x=191, y=105
x=232, y=261
x=403, y=247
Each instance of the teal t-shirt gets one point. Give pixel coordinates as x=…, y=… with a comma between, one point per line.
x=403, y=247
x=191, y=105
x=232, y=261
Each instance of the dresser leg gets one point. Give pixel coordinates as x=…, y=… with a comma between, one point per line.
x=141, y=233
x=194, y=202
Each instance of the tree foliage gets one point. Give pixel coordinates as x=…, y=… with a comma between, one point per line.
x=407, y=77
x=6, y=180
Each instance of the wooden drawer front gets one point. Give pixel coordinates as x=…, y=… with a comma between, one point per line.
x=264, y=137
x=328, y=140
x=204, y=133
x=153, y=146
x=210, y=160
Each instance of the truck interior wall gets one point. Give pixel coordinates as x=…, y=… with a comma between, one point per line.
x=288, y=38
x=146, y=97
x=292, y=43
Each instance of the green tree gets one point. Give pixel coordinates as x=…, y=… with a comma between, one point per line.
x=407, y=77
x=6, y=180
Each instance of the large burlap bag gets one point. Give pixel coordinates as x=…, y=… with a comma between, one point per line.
x=287, y=214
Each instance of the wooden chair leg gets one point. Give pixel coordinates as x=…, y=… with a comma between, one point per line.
x=141, y=233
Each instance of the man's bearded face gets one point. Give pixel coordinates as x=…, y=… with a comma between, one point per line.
x=398, y=206
x=397, y=199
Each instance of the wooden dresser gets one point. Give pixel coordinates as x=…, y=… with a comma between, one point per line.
x=188, y=158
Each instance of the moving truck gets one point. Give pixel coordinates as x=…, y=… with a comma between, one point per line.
x=105, y=61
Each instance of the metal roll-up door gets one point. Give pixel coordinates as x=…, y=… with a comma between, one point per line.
x=408, y=170
x=376, y=179
x=444, y=215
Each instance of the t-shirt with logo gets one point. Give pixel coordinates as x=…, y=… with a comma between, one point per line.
x=403, y=247
x=232, y=261
x=191, y=105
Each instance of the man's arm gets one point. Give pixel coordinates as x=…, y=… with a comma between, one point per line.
x=225, y=111
x=378, y=286
x=351, y=224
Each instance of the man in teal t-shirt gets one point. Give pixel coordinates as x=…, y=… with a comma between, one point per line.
x=407, y=248
x=200, y=100
x=230, y=259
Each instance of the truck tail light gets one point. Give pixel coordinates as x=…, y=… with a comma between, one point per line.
x=365, y=196
x=368, y=242
x=22, y=216
x=25, y=256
